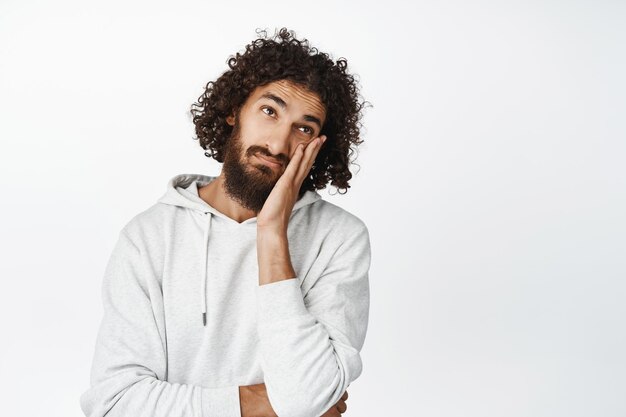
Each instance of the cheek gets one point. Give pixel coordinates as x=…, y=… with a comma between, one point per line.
x=252, y=132
x=258, y=128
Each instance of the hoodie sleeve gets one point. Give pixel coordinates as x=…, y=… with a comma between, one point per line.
x=310, y=345
x=128, y=373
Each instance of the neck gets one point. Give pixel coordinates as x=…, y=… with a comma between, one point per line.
x=215, y=195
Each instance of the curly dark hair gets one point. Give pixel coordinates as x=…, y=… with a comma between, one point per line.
x=284, y=57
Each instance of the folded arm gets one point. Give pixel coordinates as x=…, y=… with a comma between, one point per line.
x=310, y=343
x=128, y=374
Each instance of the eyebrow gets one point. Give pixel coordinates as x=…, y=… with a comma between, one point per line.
x=283, y=105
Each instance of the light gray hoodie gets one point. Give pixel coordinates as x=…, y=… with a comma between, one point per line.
x=186, y=322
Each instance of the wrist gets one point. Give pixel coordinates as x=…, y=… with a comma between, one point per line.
x=273, y=256
x=272, y=232
x=274, y=242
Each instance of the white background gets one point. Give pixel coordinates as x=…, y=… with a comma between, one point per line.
x=492, y=179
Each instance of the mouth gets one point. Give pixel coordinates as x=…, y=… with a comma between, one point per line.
x=269, y=162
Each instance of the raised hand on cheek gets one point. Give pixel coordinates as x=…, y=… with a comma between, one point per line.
x=279, y=204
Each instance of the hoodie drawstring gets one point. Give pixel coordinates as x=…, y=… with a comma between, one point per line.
x=183, y=191
x=203, y=303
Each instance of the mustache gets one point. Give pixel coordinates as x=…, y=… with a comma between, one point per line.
x=280, y=158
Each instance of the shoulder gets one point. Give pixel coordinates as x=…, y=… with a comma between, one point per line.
x=337, y=217
x=333, y=227
x=149, y=224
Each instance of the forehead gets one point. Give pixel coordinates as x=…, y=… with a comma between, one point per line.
x=297, y=97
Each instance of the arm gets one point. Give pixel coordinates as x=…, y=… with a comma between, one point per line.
x=128, y=373
x=310, y=344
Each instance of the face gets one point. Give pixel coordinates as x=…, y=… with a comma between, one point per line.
x=272, y=122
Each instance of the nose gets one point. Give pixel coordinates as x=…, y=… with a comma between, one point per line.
x=278, y=140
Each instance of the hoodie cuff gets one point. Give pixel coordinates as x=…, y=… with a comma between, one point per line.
x=221, y=402
x=280, y=300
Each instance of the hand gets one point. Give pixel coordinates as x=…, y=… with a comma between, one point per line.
x=279, y=204
x=339, y=408
x=254, y=401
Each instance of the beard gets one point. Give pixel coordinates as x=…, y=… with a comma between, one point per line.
x=247, y=183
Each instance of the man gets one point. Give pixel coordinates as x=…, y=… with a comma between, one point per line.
x=244, y=294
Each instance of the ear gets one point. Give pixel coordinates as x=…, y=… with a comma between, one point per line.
x=230, y=119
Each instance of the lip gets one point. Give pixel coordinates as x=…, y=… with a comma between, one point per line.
x=269, y=162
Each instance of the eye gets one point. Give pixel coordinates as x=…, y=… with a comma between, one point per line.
x=309, y=130
x=268, y=108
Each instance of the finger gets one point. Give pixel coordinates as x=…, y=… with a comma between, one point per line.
x=292, y=167
x=342, y=406
x=309, y=154
x=311, y=151
x=344, y=396
x=332, y=412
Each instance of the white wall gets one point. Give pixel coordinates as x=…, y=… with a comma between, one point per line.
x=492, y=180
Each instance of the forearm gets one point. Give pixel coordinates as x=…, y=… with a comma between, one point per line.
x=304, y=369
x=310, y=344
x=273, y=256
x=119, y=396
x=310, y=350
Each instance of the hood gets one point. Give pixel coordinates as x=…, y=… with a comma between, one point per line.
x=182, y=191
